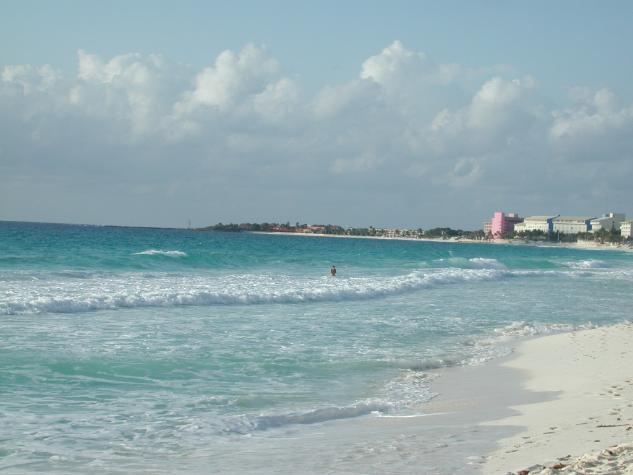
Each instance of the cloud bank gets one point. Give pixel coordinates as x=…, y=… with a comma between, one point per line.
x=139, y=139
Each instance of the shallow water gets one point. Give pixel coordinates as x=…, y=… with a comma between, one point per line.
x=159, y=350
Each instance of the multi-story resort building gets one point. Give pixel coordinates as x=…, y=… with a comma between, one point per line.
x=572, y=224
x=502, y=224
x=625, y=229
x=608, y=222
x=536, y=223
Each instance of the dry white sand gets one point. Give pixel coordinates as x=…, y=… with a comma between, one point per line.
x=584, y=245
x=585, y=422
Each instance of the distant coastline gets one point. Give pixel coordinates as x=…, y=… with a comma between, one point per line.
x=573, y=235
x=459, y=236
x=582, y=245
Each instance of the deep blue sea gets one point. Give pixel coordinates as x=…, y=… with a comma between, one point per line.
x=132, y=350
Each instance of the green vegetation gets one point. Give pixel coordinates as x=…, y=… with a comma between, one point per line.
x=371, y=231
x=233, y=228
x=602, y=236
x=531, y=235
x=275, y=227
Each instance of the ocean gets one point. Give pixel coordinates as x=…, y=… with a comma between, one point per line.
x=135, y=350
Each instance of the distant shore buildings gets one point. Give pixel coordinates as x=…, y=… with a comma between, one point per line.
x=609, y=222
x=501, y=225
x=572, y=224
x=504, y=225
x=544, y=224
x=336, y=230
x=611, y=227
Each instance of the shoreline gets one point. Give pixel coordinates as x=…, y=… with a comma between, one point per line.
x=589, y=376
x=573, y=409
x=545, y=404
x=582, y=245
x=559, y=404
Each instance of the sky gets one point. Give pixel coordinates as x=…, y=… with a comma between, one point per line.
x=358, y=113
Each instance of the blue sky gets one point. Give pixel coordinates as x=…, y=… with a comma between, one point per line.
x=498, y=104
x=563, y=42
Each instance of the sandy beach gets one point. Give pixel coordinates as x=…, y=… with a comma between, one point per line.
x=561, y=404
x=584, y=245
x=583, y=422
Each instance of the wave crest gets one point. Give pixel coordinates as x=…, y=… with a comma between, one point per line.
x=159, y=252
x=586, y=264
x=317, y=415
x=136, y=290
x=521, y=329
x=472, y=263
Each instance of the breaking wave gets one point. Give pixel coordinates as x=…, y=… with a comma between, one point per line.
x=409, y=389
x=62, y=294
x=484, y=263
x=167, y=290
x=246, y=424
x=586, y=264
x=158, y=252
x=522, y=329
x=472, y=263
x=412, y=387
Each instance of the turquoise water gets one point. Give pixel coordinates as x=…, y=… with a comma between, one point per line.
x=125, y=349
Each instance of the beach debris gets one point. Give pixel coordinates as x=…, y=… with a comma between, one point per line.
x=535, y=468
x=617, y=459
x=531, y=469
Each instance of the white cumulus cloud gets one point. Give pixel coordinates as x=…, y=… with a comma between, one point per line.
x=407, y=136
x=232, y=78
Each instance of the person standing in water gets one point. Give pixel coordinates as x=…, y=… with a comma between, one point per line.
x=333, y=271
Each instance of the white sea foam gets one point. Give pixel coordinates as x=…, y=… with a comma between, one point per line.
x=315, y=416
x=472, y=263
x=521, y=329
x=65, y=295
x=499, y=343
x=247, y=423
x=136, y=290
x=158, y=252
x=411, y=388
x=484, y=263
x=415, y=394
x=586, y=264
x=407, y=391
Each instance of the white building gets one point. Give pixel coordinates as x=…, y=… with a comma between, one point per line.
x=572, y=224
x=609, y=222
x=535, y=223
x=625, y=229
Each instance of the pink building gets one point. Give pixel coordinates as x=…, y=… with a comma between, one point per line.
x=503, y=224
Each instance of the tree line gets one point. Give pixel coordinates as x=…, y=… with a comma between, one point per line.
x=371, y=231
